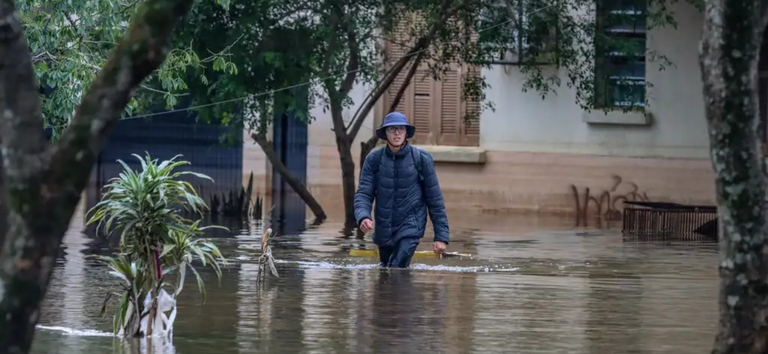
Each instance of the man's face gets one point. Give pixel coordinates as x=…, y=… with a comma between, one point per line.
x=396, y=135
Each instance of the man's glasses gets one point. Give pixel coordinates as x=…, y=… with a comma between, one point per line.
x=396, y=129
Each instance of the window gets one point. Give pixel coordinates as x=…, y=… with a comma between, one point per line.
x=620, y=49
x=524, y=31
x=436, y=107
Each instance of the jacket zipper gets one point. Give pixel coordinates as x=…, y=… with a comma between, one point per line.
x=394, y=186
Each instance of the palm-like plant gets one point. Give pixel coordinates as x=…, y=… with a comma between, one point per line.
x=155, y=239
x=186, y=246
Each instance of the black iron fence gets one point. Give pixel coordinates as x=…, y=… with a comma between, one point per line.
x=658, y=220
x=212, y=149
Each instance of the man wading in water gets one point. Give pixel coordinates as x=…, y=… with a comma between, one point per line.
x=403, y=181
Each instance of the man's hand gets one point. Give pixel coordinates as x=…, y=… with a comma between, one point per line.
x=439, y=247
x=366, y=225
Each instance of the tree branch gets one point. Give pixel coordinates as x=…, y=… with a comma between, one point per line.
x=408, y=78
x=359, y=118
x=366, y=146
x=420, y=46
x=325, y=69
x=336, y=95
x=44, y=186
x=371, y=94
x=128, y=7
x=42, y=56
x=289, y=177
x=353, y=65
x=143, y=50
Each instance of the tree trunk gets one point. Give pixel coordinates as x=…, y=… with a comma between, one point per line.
x=289, y=177
x=347, y=180
x=44, y=183
x=344, y=146
x=3, y=210
x=732, y=35
x=336, y=95
x=151, y=315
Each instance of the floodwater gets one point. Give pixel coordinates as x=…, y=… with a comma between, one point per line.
x=534, y=286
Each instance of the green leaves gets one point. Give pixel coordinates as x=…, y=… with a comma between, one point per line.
x=71, y=39
x=230, y=49
x=185, y=247
x=146, y=207
x=135, y=289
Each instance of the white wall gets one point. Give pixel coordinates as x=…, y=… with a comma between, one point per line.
x=525, y=122
x=322, y=154
x=320, y=132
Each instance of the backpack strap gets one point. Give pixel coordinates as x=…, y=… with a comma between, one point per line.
x=377, y=163
x=379, y=151
x=417, y=161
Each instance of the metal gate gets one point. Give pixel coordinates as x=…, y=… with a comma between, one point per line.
x=212, y=149
x=290, y=141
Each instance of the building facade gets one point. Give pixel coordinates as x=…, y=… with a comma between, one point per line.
x=541, y=155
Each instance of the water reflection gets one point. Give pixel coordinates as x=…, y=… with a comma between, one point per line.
x=409, y=314
x=531, y=289
x=614, y=311
x=247, y=293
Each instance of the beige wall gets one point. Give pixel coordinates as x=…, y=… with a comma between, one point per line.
x=536, y=182
x=539, y=150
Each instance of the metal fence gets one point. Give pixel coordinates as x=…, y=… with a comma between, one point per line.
x=657, y=220
x=212, y=149
x=290, y=143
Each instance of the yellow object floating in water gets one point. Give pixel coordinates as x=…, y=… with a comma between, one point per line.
x=418, y=254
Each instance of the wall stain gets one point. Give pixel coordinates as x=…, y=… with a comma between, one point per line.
x=606, y=205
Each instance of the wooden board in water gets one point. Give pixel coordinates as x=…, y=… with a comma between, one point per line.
x=418, y=254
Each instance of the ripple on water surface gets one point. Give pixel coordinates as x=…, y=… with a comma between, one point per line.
x=527, y=289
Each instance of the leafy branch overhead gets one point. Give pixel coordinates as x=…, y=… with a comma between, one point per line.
x=232, y=48
x=71, y=40
x=326, y=47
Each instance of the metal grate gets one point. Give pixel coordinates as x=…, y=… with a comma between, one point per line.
x=658, y=220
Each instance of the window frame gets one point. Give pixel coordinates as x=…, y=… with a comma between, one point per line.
x=515, y=52
x=620, y=73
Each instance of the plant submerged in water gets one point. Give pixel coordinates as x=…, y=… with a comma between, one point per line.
x=155, y=240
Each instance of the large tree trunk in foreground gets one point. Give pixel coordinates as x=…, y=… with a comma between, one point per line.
x=289, y=177
x=731, y=40
x=3, y=211
x=43, y=183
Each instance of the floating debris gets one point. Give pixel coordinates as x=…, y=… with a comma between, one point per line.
x=266, y=259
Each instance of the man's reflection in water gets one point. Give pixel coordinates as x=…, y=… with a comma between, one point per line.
x=408, y=314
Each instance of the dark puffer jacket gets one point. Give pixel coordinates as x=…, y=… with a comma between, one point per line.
x=402, y=198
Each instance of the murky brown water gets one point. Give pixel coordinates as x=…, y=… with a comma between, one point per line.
x=536, y=287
